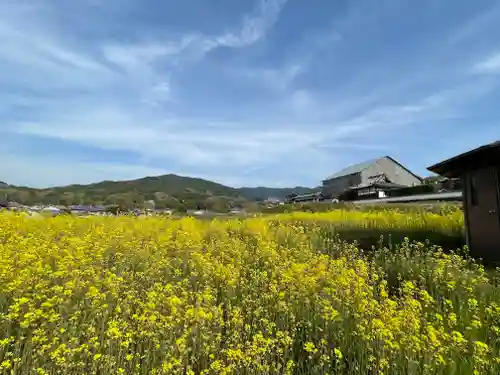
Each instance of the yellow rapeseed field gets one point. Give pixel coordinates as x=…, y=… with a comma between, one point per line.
x=270, y=295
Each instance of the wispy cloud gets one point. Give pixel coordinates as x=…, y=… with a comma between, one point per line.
x=489, y=65
x=49, y=171
x=481, y=22
x=195, y=45
x=254, y=27
x=126, y=70
x=274, y=79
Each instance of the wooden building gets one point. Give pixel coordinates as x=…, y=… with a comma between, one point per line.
x=479, y=170
x=297, y=198
x=384, y=169
x=372, y=190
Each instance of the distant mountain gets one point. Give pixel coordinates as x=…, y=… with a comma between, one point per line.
x=167, y=191
x=170, y=184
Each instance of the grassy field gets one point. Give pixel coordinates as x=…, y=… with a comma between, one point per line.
x=270, y=295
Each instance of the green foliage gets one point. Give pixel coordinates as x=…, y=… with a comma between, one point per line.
x=261, y=193
x=428, y=188
x=168, y=192
x=115, y=209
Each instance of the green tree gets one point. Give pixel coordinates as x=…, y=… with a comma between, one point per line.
x=67, y=199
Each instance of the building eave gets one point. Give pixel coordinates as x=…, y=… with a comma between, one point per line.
x=482, y=156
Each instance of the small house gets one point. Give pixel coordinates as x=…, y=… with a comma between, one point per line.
x=51, y=210
x=479, y=172
x=272, y=201
x=310, y=197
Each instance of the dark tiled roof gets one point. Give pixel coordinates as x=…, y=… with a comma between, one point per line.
x=388, y=185
x=353, y=169
x=87, y=208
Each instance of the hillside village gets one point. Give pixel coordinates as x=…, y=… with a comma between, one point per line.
x=383, y=179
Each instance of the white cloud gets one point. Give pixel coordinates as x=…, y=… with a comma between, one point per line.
x=32, y=49
x=159, y=93
x=135, y=72
x=129, y=92
x=254, y=26
x=489, y=65
x=39, y=61
x=275, y=79
x=197, y=144
x=46, y=171
x=198, y=147
x=482, y=23
x=194, y=45
x=301, y=101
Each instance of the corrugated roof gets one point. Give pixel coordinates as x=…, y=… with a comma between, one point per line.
x=356, y=168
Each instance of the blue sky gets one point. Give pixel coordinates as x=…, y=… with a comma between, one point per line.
x=246, y=93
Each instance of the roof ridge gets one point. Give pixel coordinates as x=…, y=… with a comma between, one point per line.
x=355, y=168
x=364, y=162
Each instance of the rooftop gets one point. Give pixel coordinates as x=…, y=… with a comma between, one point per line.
x=386, y=185
x=356, y=168
x=483, y=156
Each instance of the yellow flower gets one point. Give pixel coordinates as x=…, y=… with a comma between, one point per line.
x=156, y=295
x=310, y=348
